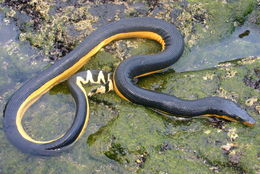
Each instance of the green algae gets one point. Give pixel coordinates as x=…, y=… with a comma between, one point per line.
x=136, y=137
x=223, y=18
x=57, y=28
x=196, y=140
x=255, y=17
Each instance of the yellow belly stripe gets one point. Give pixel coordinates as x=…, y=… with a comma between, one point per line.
x=33, y=97
x=220, y=116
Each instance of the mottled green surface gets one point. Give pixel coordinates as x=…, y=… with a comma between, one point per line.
x=122, y=137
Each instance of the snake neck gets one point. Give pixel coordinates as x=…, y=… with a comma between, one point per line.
x=208, y=106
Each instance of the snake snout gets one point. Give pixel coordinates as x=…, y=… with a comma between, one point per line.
x=246, y=119
x=236, y=113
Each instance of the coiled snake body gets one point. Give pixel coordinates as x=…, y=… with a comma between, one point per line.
x=172, y=48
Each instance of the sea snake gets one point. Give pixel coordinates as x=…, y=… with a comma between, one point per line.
x=172, y=45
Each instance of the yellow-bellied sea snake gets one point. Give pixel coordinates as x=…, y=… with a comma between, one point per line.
x=150, y=28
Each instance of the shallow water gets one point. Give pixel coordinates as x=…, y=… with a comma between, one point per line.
x=20, y=62
x=18, y=59
x=230, y=48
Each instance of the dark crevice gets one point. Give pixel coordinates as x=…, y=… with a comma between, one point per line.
x=235, y=166
x=253, y=82
x=104, y=102
x=24, y=6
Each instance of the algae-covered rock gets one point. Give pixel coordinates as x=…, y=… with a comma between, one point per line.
x=196, y=146
x=57, y=27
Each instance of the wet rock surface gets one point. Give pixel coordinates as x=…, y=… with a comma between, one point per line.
x=122, y=137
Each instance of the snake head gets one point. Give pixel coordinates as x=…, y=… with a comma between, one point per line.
x=226, y=109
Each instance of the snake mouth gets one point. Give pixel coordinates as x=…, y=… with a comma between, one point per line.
x=247, y=119
x=250, y=122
